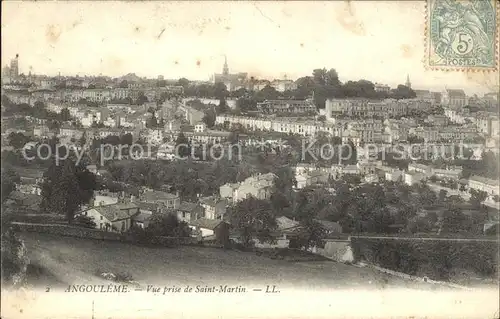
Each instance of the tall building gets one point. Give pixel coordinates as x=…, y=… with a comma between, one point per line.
x=10, y=73
x=408, y=83
x=14, y=67
x=454, y=98
x=225, y=68
x=232, y=81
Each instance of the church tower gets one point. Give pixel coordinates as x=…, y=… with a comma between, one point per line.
x=14, y=67
x=225, y=69
x=408, y=83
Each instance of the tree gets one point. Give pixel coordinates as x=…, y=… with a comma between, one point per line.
x=9, y=180
x=220, y=90
x=14, y=255
x=111, y=140
x=233, y=138
x=17, y=140
x=141, y=99
x=453, y=220
x=253, y=218
x=152, y=121
x=39, y=105
x=361, y=88
x=183, y=82
x=312, y=233
x=126, y=139
x=83, y=139
x=442, y=195
x=209, y=117
x=267, y=93
x=426, y=196
x=245, y=105
x=54, y=125
x=222, y=107
x=326, y=77
x=402, y=92
x=349, y=154
x=182, y=145
x=241, y=92
x=66, y=187
x=167, y=225
x=123, y=84
x=477, y=197
x=65, y=116
x=305, y=86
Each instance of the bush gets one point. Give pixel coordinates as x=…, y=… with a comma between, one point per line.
x=14, y=259
x=436, y=259
x=123, y=277
x=84, y=221
x=139, y=235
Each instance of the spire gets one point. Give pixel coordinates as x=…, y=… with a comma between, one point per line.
x=408, y=83
x=225, y=69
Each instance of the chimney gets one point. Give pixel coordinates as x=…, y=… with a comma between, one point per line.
x=177, y=194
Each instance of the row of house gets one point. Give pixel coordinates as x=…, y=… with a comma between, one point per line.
x=287, y=106
x=420, y=172
x=367, y=130
x=488, y=185
x=446, y=133
x=116, y=212
x=101, y=95
x=260, y=186
x=487, y=123
x=448, y=172
x=368, y=108
x=282, y=125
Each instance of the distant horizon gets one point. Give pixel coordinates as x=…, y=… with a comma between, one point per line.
x=432, y=89
x=190, y=40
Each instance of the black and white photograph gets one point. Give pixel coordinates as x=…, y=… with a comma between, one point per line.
x=250, y=159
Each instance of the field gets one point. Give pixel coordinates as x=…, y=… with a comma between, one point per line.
x=65, y=260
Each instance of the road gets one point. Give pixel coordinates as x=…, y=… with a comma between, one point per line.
x=430, y=238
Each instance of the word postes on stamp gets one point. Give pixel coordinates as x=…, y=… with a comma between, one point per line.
x=462, y=34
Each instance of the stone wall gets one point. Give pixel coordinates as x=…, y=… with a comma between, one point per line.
x=66, y=230
x=90, y=233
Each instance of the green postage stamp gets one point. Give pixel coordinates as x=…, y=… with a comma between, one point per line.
x=462, y=34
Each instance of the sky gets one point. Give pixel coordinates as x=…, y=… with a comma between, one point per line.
x=374, y=40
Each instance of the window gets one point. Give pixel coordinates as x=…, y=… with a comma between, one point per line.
x=101, y=217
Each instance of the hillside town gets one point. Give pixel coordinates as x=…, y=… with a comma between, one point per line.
x=410, y=162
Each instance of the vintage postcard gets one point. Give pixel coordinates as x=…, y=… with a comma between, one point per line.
x=257, y=159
